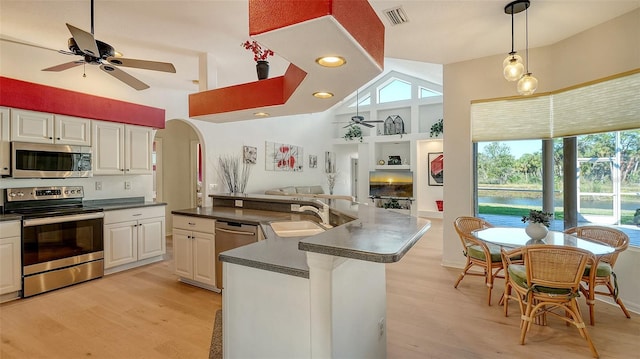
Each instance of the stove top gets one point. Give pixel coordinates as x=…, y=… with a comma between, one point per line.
x=35, y=202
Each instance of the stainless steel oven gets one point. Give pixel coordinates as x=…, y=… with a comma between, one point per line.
x=38, y=160
x=62, y=241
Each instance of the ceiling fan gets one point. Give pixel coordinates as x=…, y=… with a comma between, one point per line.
x=95, y=52
x=359, y=120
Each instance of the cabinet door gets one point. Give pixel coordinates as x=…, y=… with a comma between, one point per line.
x=72, y=130
x=138, y=149
x=10, y=265
x=183, y=253
x=108, y=148
x=151, y=238
x=5, y=151
x=120, y=243
x=31, y=126
x=204, y=258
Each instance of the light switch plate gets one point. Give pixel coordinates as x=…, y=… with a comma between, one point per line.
x=127, y=185
x=295, y=207
x=238, y=203
x=98, y=186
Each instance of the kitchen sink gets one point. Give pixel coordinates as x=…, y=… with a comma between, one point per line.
x=296, y=228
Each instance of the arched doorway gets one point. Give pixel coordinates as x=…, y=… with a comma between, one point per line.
x=178, y=167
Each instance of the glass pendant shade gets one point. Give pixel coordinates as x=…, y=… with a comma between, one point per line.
x=513, y=67
x=527, y=85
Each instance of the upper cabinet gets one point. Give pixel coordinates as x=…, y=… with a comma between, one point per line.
x=5, y=168
x=121, y=149
x=40, y=127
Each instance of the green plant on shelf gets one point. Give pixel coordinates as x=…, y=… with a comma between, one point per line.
x=437, y=128
x=352, y=133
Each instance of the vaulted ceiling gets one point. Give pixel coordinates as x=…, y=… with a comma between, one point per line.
x=182, y=31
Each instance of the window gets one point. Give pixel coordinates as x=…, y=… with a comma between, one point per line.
x=363, y=101
x=394, y=90
x=425, y=92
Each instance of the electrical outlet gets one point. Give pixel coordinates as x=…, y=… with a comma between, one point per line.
x=238, y=203
x=212, y=187
x=98, y=186
x=127, y=184
x=295, y=207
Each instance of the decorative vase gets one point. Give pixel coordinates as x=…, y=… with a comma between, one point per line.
x=536, y=231
x=262, y=68
x=440, y=205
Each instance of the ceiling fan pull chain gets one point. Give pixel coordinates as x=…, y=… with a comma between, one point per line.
x=92, y=18
x=84, y=70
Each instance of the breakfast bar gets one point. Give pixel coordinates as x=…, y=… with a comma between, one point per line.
x=325, y=293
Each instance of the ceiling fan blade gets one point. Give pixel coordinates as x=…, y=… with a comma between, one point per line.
x=124, y=77
x=19, y=42
x=365, y=124
x=85, y=41
x=373, y=121
x=142, y=64
x=64, y=66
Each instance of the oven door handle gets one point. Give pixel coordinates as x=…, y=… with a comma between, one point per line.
x=61, y=219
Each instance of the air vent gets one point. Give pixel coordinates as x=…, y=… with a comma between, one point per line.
x=396, y=16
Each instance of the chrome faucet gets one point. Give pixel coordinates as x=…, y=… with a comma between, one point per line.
x=322, y=212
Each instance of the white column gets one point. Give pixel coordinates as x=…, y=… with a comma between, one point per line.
x=207, y=72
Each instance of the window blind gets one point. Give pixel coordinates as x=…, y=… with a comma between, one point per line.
x=612, y=105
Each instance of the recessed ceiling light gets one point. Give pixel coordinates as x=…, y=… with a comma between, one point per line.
x=260, y=114
x=322, y=94
x=331, y=61
x=118, y=54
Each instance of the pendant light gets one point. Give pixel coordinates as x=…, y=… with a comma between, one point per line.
x=527, y=84
x=512, y=65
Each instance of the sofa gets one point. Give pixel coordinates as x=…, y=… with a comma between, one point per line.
x=315, y=191
x=296, y=190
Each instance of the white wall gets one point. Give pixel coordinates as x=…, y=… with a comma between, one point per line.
x=605, y=50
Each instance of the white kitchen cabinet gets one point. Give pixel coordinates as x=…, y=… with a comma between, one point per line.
x=10, y=260
x=40, y=127
x=5, y=144
x=133, y=237
x=194, y=250
x=121, y=149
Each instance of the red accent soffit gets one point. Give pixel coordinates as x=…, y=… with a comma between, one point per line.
x=36, y=97
x=269, y=92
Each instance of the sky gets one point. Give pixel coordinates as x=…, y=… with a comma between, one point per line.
x=518, y=148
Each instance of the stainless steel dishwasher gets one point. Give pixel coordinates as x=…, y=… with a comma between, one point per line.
x=230, y=235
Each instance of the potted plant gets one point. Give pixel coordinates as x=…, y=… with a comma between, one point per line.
x=353, y=132
x=538, y=224
x=260, y=56
x=436, y=128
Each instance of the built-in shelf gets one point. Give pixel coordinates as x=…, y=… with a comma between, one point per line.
x=393, y=167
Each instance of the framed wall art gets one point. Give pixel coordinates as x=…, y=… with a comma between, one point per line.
x=283, y=157
x=313, y=161
x=435, y=168
x=329, y=162
x=249, y=154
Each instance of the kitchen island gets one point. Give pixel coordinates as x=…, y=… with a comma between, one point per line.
x=322, y=296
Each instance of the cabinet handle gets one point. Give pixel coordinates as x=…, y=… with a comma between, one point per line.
x=127, y=170
x=122, y=169
x=192, y=224
x=58, y=138
x=137, y=214
x=51, y=138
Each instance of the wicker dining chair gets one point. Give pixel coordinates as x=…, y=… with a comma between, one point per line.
x=478, y=253
x=604, y=269
x=512, y=257
x=548, y=283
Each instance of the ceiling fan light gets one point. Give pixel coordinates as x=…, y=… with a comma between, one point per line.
x=322, y=94
x=513, y=67
x=331, y=61
x=527, y=85
x=261, y=114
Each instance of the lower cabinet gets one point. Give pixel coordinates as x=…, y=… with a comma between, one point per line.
x=133, y=237
x=10, y=260
x=194, y=250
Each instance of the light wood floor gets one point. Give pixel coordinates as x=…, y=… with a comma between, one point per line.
x=146, y=313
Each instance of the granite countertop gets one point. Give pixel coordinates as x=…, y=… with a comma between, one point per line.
x=377, y=235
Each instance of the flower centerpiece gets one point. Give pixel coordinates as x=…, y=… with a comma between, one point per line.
x=538, y=224
x=260, y=56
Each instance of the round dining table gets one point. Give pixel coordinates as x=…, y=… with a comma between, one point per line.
x=515, y=237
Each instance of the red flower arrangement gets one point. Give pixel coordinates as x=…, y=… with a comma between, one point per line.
x=259, y=54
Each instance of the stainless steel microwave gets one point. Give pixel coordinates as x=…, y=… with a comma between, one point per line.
x=37, y=160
